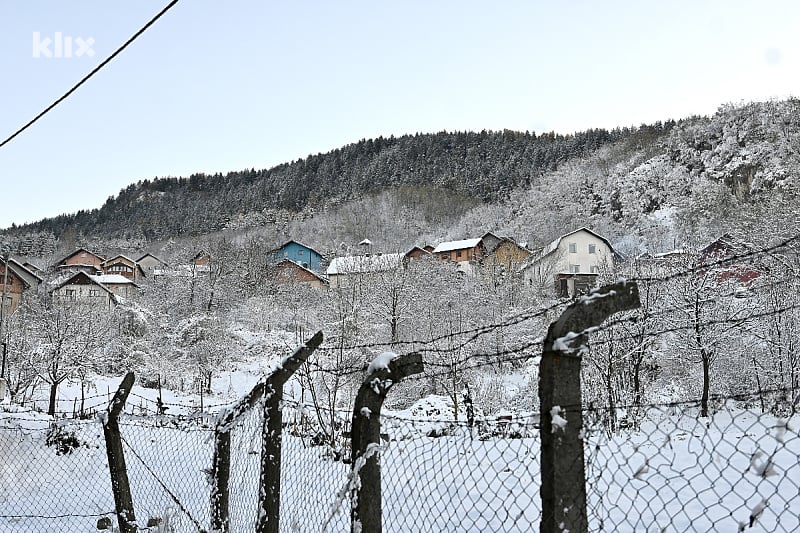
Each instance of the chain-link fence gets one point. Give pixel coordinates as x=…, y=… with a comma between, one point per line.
x=736, y=470
x=667, y=469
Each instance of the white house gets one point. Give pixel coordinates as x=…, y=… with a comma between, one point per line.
x=576, y=257
x=342, y=270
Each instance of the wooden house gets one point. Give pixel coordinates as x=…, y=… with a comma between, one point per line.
x=123, y=266
x=727, y=258
x=83, y=260
x=459, y=251
x=505, y=255
x=299, y=253
x=290, y=272
x=15, y=280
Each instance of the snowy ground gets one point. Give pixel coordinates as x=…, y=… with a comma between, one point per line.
x=672, y=474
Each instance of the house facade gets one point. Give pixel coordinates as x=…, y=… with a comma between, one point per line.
x=721, y=256
x=12, y=287
x=151, y=265
x=289, y=272
x=84, y=288
x=83, y=260
x=572, y=262
x=506, y=254
x=123, y=266
x=98, y=290
x=301, y=254
x=459, y=251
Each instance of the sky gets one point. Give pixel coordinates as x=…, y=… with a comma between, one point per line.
x=218, y=86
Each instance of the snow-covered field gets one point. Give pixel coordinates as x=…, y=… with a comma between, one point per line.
x=674, y=473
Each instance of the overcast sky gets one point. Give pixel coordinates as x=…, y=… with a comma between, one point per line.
x=218, y=86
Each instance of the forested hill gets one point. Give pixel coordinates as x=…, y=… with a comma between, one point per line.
x=485, y=165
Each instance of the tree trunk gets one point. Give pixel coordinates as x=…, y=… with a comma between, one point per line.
x=706, y=382
x=51, y=408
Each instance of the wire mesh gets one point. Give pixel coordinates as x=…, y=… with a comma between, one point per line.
x=734, y=470
x=53, y=475
x=668, y=469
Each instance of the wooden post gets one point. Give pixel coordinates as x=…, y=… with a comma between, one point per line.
x=116, y=458
x=382, y=375
x=563, y=489
x=269, y=486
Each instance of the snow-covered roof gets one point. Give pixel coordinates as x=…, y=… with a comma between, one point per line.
x=114, y=279
x=456, y=245
x=357, y=264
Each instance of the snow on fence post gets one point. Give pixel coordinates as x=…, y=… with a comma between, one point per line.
x=563, y=488
x=116, y=458
x=269, y=480
x=385, y=371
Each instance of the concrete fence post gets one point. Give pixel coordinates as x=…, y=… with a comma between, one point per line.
x=383, y=373
x=563, y=488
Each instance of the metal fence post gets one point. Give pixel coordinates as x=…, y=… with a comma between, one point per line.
x=365, y=513
x=269, y=480
x=116, y=458
x=563, y=489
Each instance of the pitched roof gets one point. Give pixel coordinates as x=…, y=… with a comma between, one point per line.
x=361, y=264
x=21, y=270
x=301, y=267
x=119, y=256
x=287, y=243
x=148, y=254
x=92, y=279
x=553, y=246
x=113, y=279
x=64, y=259
x=456, y=245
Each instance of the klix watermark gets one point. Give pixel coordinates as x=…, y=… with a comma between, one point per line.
x=61, y=46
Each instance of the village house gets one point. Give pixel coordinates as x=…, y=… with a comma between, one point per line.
x=723, y=257
x=417, y=253
x=505, y=255
x=124, y=266
x=298, y=252
x=290, y=272
x=98, y=290
x=15, y=280
x=83, y=260
x=151, y=265
x=344, y=271
x=573, y=262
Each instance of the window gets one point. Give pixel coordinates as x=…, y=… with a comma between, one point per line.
x=70, y=293
x=458, y=254
x=94, y=292
x=299, y=252
x=445, y=256
x=592, y=248
x=573, y=248
x=574, y=268
x=595, y=269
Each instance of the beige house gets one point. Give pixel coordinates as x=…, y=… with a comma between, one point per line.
x=151, y=265
x=571, y=261
x=103, y=290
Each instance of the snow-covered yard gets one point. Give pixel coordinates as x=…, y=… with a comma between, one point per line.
x=675, y=473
